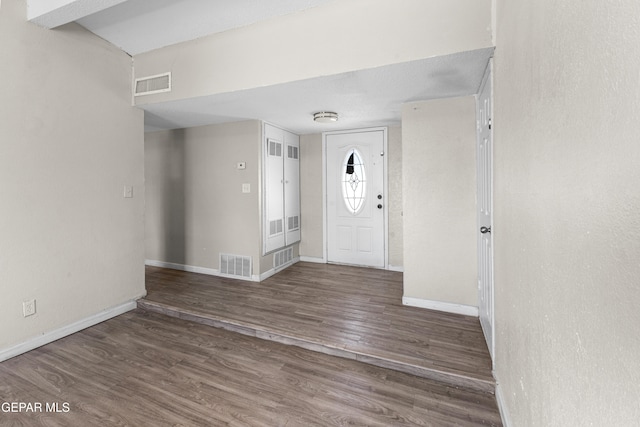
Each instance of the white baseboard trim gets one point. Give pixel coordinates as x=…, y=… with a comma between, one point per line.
x=64, y=331
x=196, y=269
x=324, y=261
x=273, y=271
x=269, y=273
x=313, y=259
x=467, y=310
x=502, y=405
x=182, y=267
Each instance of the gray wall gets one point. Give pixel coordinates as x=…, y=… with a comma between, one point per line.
x=439, y=189
x=394, y=198
x=69, y=143
x=195, y=208
x=312, y=240
x=567, y=203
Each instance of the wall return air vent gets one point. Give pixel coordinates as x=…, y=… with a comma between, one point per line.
x=236, y=266
x=282, y=257
x=153, y=84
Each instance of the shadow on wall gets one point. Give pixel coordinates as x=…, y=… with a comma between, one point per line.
x=172, y=213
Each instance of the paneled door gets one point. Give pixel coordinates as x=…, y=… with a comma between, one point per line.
x=484, y=156
x=355, y=182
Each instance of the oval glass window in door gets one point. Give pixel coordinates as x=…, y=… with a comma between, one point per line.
x=354, y=181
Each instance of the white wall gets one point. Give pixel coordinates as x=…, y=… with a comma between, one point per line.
x=439, y=188
x=567, y=203
x=336, y=37
x=195, y=205
x=69, y=142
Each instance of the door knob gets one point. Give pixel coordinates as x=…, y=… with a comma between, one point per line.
x=485, y=230
x=379, y=196
x=379, y=206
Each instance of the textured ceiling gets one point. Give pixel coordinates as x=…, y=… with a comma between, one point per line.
x=365, y=98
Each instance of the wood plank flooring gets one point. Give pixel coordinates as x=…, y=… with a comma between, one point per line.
x=147, y=369
x=343, y=311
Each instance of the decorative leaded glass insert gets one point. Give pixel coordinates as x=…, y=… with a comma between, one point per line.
x=354, y=181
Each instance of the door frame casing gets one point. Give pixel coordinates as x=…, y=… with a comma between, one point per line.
x=487, y=79
x=385, y=186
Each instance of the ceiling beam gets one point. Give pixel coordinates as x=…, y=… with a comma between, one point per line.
x=53, y=13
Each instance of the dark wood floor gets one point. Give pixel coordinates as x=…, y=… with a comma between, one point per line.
x=147, y=369
x=339, y=310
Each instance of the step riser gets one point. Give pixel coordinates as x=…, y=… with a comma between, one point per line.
x=432, y=374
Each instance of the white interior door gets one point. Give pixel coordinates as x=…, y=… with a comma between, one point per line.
x=291, y=187
x=485, y=211
x=281, y=190
x=355, y=198
x=274, y=227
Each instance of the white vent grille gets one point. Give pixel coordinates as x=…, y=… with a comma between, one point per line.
x=282, y=257
x=153, y=84
x=275, y=227
x=293, y=223
x=275, y=148
x=235, y=265
x=292, y=152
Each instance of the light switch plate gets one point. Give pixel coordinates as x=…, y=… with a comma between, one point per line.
x=246, y=188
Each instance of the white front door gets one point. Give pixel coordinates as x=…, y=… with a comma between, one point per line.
x=355, y=197
x=485, y=211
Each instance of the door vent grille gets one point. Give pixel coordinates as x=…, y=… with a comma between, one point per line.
x=282, y=257
x=235, y=265
x=275, y=227
x=292, y=152
x=275, y=148
x=153, y=84
x=293, y=223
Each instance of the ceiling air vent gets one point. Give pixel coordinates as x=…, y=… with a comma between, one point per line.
x=153, y=84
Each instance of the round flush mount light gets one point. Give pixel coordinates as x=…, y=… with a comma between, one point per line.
x=325, y=117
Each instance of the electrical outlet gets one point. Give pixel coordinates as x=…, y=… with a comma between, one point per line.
x=128, y=191
x=29, y=307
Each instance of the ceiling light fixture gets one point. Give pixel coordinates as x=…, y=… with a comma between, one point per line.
x=325, y=117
